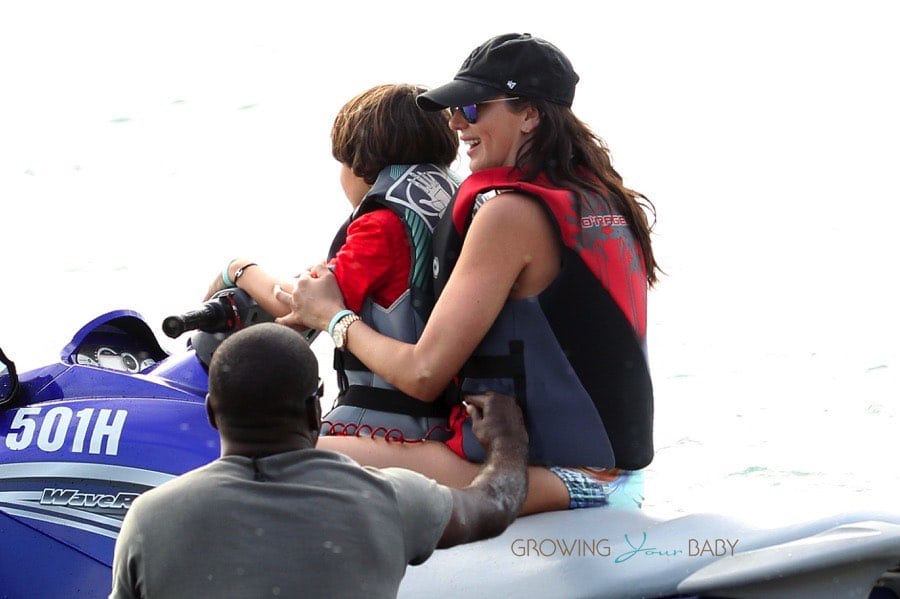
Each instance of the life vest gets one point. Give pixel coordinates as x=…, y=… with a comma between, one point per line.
x=418, y=194
x=574, y=356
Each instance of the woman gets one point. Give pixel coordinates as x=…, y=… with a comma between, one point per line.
x=542, y=266
x=395, y=162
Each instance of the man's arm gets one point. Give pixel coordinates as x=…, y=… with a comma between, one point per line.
x=492, y=501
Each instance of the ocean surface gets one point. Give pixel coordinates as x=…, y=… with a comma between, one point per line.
x=140, y=152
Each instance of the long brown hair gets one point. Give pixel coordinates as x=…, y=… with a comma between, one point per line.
x=383, y=126
x=570, y=154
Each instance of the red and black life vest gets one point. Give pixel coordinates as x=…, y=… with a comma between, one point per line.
x=575, y=355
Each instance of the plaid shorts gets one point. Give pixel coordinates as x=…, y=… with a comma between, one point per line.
x=595, y=487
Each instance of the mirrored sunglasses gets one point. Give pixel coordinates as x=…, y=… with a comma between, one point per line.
x=470, y=111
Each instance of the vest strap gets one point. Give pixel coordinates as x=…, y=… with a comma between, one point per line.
x=391, y=400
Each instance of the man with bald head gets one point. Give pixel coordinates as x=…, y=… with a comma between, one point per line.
x=275, y=516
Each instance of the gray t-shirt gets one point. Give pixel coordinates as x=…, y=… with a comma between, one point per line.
x=302, y=523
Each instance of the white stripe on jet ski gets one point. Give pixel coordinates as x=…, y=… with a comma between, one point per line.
x=103, y=472
x=63, y=522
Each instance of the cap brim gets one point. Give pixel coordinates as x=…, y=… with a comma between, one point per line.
x=456, y=93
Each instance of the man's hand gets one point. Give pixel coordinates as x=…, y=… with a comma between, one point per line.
x=496, y=418
x=492, y=501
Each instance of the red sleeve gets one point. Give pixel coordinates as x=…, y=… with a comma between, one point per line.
x=374, y=260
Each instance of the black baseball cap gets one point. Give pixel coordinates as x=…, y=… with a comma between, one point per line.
x=516, y=64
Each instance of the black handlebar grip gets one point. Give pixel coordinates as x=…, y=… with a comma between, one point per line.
x=210, y=316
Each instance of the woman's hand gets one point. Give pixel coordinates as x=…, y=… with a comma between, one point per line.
x=316, y=298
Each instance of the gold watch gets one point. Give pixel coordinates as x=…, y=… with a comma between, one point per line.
x=339, y=333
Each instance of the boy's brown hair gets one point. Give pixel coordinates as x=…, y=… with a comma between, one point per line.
x=383, y=126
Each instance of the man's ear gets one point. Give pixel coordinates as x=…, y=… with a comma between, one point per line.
x=313, y=413
x=210, y=414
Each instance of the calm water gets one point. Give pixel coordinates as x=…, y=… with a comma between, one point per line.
x=131, y=170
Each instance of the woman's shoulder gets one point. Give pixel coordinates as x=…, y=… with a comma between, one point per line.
x=509, y=203
x=514, y=216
